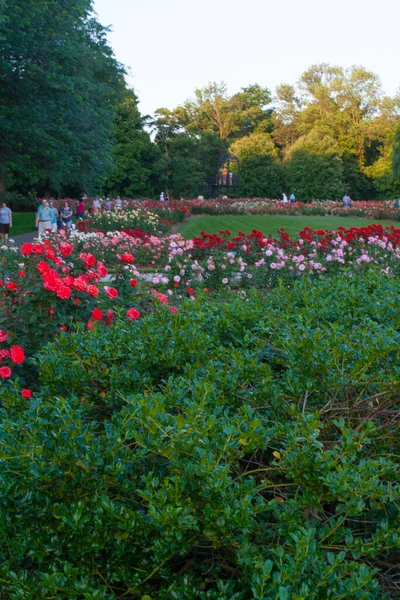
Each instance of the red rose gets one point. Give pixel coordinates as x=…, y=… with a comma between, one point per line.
x=173, y=309
x=88, y=259
x=63, y=328
x=26, y=249
x=17, y=355
x=52, y=311
x=112, y=293
x=92, y=290
x=11, y=286
x=63, y=292
x=43, y=267
x=66, y=249
x=21, y=273
x=190, y=291
x=1, y=283
x=5, y=372
x=3, y=336
x=133, y=282
x=26, y=393
x=126, y=257
x=4, y=354
x=101, y=270
x=68, y=280
x=80, y=284
x=133, y=314
x=90, y=325
x=97, y=314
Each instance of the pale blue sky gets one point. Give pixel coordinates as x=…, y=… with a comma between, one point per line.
x=173, y=46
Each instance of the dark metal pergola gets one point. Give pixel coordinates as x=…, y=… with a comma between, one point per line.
x=227, y=179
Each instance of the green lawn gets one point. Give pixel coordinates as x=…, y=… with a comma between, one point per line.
x=22, y=223
x=269, y=224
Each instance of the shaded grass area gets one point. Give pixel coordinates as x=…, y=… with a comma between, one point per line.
x=269, y=224
x=22, y=223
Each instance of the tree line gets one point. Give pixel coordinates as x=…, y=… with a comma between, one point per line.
x=69, y=124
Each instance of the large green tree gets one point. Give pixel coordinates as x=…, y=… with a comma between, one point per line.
x=312, y=176
x=59, y=87
x=349, y=107
x=135, y=157
x=228, y=116
x=262, y=177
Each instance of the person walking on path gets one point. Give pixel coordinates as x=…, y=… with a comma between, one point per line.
x=80, y=210
x=292, y=198
x=5, y=222
x=347, y=201
x=43, y=218
x=54, y=216
x=284, y=197
x=96, y=206
x=66, y=216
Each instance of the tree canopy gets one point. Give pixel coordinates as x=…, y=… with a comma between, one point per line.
x=69, y=124
x=59, y=87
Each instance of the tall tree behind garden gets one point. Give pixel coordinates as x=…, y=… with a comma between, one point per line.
x=59, y=87
x=136, y=159
x=193, y=136
x=348, y=106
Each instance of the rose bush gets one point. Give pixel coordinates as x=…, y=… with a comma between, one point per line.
x=239, y=449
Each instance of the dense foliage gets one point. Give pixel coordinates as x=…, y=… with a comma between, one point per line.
x=243, y=449
x=69, y=125
x=59, y=88
x=339, y=119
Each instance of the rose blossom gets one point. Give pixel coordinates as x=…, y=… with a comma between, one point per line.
x=133, y=314
x=5, y=372
x=17, y=355
x=111, y=292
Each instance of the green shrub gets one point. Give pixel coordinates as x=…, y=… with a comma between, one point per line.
x=315, y=176
x=262, y=177
x=236, y=449
x=20, y=203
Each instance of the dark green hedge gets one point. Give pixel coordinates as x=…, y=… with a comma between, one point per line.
x=239, y=449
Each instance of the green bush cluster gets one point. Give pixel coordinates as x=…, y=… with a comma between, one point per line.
x=233, y=450
x=20, y=203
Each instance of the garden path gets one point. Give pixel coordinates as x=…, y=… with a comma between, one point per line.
x=24, y=238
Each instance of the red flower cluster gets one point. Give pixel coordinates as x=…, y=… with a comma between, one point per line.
x=133, y=314
x=111, y=292
x=128, y=258
x=16, y=354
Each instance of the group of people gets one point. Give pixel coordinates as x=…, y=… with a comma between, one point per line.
x=164, y=198
x=285, y=198
x=100, y=204
x=347, y=201
x=49, y=218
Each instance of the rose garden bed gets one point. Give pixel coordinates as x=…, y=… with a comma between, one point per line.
x=228, y=429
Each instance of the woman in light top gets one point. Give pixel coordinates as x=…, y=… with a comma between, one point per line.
x=54, y=216
x=96, y=206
